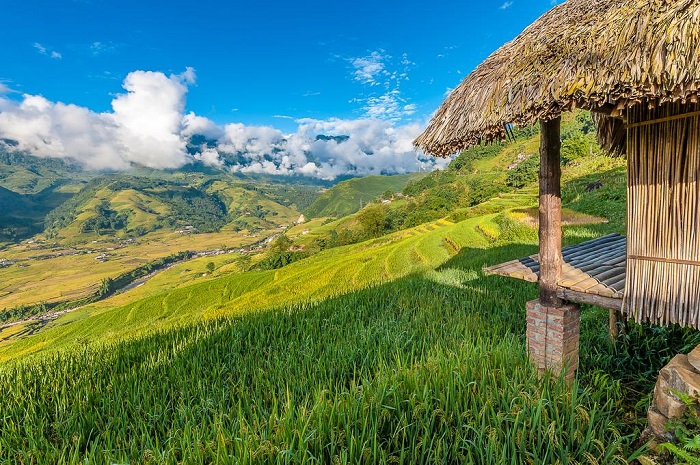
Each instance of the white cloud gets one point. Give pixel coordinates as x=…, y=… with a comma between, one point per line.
x=382, y=76
x=149, y=118
x=253, y=140
x=369, y=69
x=193, y=124
x=210, y=157
x=148, y=126
x=102, y=48
x=389, y=106
x=4, y=89
x=409, y=109
x=505, y=6
x=328, y=148
x=44, y=51
x=57, y=130
x=188, y=76
x=145, y=125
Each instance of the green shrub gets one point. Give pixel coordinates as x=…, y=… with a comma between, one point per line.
x=526, y=172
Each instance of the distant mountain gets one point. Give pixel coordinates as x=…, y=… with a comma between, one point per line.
x=338, y=139
x=126, y=205
x=349, y=196
x=22, y=215
x=27, y=174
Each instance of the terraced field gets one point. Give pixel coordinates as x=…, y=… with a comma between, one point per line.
x=169, y=300
x=329, y=273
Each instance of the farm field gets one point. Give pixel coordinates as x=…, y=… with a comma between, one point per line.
x=392, y=385
x=395, y=349
x=76, y=272
x=329, y=273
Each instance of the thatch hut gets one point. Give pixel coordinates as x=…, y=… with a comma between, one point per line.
x=637, y=65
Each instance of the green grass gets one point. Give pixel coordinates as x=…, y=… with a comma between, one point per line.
x=406, y=372
x=394, y=350
x=329, y=273
x=324, y=275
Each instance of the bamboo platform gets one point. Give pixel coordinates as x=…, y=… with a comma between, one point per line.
x=593, y=272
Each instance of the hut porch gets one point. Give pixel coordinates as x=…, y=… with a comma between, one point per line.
x=645, y=84
x=593, y=272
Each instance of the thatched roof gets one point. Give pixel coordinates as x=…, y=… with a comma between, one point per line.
x=602, y=55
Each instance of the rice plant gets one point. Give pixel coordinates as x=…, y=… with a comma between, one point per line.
x=412, y=371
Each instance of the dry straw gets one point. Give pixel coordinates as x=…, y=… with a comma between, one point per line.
x=602, y=55
x=663, y=215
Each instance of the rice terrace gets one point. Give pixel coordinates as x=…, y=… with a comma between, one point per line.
x=304, y=233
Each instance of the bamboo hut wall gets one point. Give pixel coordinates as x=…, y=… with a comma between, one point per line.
x=663, y=215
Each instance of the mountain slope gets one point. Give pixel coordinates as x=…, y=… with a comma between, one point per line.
x=371, y=375
x=22, y=215
x=328, y=273
x=26, y=174
x=349, y=196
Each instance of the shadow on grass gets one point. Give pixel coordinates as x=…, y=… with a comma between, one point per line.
x=189, y=388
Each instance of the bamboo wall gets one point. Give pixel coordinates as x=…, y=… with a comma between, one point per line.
x=663, y=215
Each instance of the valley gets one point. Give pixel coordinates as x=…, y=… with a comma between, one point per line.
x=313, y=310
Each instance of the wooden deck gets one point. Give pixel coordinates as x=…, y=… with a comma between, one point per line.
x=593, y=272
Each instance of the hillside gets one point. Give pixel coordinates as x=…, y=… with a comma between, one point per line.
x=427, y=367
x=26, y=174
x=347, y=197
x=391, y=348
x=52, y=194
x=321, y=253
x=409, y=372
x=117, y=223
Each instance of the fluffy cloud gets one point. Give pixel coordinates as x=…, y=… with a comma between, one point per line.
x=193, y=124
x=328, y=148
x=144, y=127
x=148, y=126
x=149, y=118
x=57, y=130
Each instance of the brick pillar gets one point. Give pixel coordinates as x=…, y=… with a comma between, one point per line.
x=552, y=337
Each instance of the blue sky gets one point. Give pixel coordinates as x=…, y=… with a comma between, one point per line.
x=262, y=63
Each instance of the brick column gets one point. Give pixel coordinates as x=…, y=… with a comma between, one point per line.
x=553, y=336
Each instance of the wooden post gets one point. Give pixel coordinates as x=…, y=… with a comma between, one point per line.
x=550, y=211
x=617, y=325
x=552, y=328
x=613, y=329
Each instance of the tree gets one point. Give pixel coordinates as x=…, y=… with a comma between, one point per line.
x=282, y=244
x=210, y=267
x=373, y=219
x=525, y=173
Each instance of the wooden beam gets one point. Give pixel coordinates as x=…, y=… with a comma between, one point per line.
x=590, y=299
x=550, y=211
